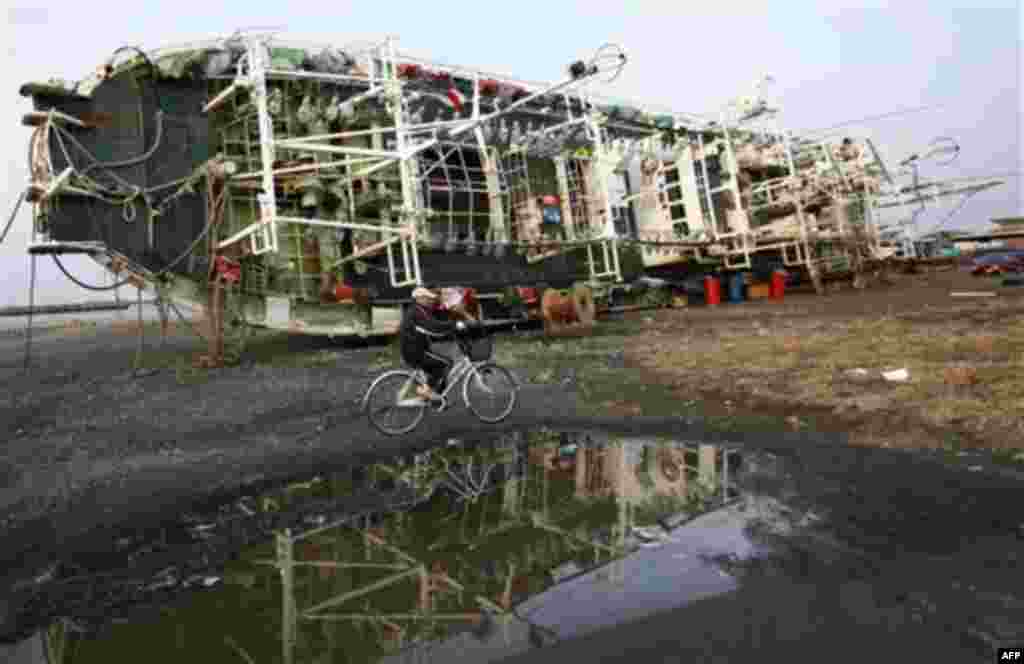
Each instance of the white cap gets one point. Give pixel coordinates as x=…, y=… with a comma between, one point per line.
x=420, y=291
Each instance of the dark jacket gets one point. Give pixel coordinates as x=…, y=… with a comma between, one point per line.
x=419, y=327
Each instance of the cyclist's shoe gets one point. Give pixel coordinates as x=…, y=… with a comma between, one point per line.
x=425, y=393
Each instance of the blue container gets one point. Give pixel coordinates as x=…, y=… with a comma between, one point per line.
x=736, y=286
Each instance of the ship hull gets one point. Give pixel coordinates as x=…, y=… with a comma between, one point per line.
x=127, y=128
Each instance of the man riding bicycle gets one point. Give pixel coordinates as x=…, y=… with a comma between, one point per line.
x=420, y=326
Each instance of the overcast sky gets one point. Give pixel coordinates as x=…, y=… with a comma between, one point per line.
x=833, y=62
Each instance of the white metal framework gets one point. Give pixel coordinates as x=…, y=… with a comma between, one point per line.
x=363, y=158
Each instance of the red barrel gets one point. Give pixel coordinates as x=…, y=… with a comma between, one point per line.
x=528, y=295
x=712, y=291
x=778, y=285
x=344, y=293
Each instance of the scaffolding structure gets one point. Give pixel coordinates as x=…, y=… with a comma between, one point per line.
x=338, y=162
x=424, y=158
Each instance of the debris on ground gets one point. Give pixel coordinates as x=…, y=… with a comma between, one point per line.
x=896, y=376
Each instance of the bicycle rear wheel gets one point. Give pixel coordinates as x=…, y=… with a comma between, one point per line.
x=394, y=393
x=490, y=392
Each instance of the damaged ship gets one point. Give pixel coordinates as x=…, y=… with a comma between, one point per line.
x=318, y=185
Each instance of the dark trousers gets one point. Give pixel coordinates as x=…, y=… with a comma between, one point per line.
x=434, y=364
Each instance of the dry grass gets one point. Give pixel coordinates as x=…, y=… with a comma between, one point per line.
x=959, y=374
x=788, y=362
x=965, y=361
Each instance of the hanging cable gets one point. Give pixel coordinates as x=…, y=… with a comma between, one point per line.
x=84, y=285
x=872, y=118
x=158, y=275
x=62, y=133
x=218, y=203
x=209, y=224
x=157, y=140
x=152, y=68
x=941, y=224
x=133, y=190
x=142, y=334
x=10, y=221
x=31, y=308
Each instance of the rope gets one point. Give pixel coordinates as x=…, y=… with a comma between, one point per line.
x=949, y=217
x=158, y=275
x=152, y=68
x=10, y=221
x=191, y=248
x=61, y=133
x=184, y=321
x=39, y=161
x=31, y=307
x=84, y=285
x=161, y=306
x=135, y=191
x=157, y=140
x=142, y=334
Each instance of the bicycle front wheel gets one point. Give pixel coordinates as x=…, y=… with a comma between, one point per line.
x=490, y=392
x=392, y=405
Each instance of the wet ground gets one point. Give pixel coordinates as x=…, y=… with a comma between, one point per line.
x=103, y=463
x=539, y=545
x=96, y=447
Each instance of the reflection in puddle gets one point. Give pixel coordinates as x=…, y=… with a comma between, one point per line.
x=480, y=551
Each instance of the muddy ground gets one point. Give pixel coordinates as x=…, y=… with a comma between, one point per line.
x=81, y=422
x=93, y=447
x=92, y=444
x=97, y=452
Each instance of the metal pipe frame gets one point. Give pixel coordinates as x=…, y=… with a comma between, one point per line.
x=317, y=76
x=267, y=200
x=242, y=234
x=339, y=149
x=345, y=224
x=303, y=169
x=388, y=76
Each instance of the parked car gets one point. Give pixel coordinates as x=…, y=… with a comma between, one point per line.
x=999, y=263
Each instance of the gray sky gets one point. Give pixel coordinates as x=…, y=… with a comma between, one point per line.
x=833, y=62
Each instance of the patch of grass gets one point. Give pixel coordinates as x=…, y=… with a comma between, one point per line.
x=809, y=360
x=186, y=374
x=1009, y=457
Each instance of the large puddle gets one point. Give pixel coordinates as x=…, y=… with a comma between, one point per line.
x=476, y=552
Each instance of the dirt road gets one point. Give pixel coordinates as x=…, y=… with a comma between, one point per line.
x=93, y=445
x=96, y=449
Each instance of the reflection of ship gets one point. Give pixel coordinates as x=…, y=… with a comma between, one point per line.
x=565, y=515
x=637, y=469
x=581, y=598
x=453, y=546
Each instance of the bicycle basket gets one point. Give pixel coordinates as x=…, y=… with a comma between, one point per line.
x=480, y=349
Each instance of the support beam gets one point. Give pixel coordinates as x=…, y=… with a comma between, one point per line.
x=392, y=616
x=288, y=620
x=365, y=590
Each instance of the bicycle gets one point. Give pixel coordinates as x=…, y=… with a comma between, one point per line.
x=472, y=367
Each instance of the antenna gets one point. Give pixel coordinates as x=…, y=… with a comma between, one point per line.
x=871, y=118
x=878, y=160
x=943, y=145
